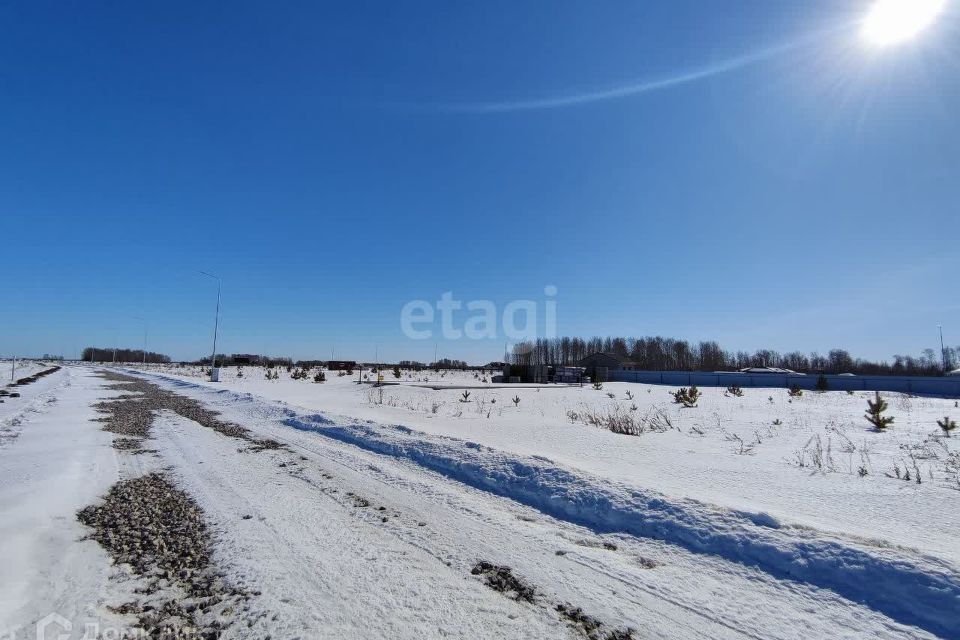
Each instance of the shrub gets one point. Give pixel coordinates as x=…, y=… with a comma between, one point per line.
x=320, y=377
x=686, y=397
x=735, y=391
x=396, y=372
x=874, y=415
x=794, y=391
x=598, y=385
x=822, y=384
x=298, y=374
x=239, y=372
x=947, y=425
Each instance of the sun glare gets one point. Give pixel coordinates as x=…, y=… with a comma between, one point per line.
x=893, y=21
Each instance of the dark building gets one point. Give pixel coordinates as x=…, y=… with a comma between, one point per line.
x=341, y=365
x=597, y=364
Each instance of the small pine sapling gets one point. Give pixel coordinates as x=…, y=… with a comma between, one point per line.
x=874, y=415
x=396, y=372
x=516, y=401
x=629, y=395
x=466, y=397
x=598, y=385
x=795, y=391
x=686, y=397
x=320, y=377
x=735, y=391
x=822, y=383
x=947, y=425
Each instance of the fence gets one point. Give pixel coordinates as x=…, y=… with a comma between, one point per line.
x=946, y=386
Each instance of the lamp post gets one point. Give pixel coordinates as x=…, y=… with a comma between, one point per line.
x=216, y=322
x=144, y=320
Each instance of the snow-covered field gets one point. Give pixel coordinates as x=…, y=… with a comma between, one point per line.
x=13, y=369
x=759, y=516
x=796, y=459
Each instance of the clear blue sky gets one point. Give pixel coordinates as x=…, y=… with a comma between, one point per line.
x=748, y=172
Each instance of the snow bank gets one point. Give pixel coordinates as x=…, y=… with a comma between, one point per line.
x=909, y=587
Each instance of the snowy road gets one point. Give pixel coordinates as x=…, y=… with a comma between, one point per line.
x=348, y=539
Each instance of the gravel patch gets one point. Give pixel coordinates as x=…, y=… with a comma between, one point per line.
x=502, y=579
x=132, y=413
x=158, y=531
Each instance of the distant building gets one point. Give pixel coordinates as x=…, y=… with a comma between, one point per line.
x=245, y=358
x=341, y=365
x=596, y=365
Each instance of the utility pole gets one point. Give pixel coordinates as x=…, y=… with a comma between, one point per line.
x=943, y=351
x=13, y=367
x=216, y=322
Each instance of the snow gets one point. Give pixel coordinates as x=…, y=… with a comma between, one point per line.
x=907, y=585
x=19, y=369
x=53, y=463
x=698, y=458
x=671, y=533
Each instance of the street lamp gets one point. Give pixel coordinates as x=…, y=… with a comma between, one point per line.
x=144, y=320
x=216, y=323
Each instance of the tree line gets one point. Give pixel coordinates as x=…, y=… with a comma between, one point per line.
x=670, y=354
x=115, y=354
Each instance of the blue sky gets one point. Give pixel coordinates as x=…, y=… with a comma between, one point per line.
x=333, y=161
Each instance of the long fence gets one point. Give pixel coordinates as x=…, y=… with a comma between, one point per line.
x=946, y=386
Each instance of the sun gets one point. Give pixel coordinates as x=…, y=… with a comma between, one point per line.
x=894, y=21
